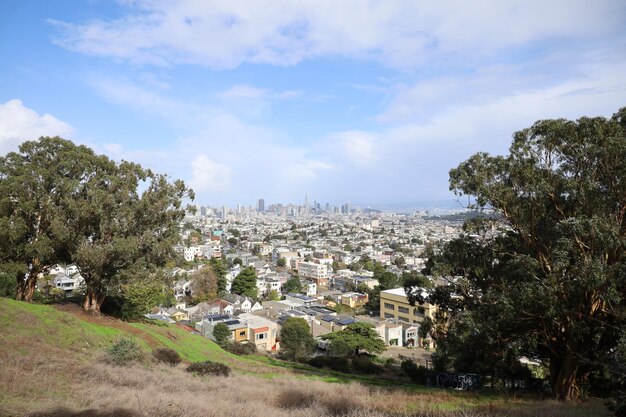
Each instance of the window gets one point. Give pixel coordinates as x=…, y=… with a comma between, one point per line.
x=260, y=336
x=404, y=310
x=389, y=306
x=404, y=319
x=389, y=315
x=419, y=311
x=242, y=334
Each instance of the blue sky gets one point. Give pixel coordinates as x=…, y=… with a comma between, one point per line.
x=362, y=101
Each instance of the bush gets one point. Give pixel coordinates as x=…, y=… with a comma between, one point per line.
x=416, y=373
x=364, y=365
x=209, y=368
x=124, y=351
x=336, y=363
x=241, y=348
x=166, y=355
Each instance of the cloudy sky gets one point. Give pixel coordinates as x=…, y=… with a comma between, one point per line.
x=367, y=101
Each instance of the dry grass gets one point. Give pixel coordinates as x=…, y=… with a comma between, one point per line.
x=40, y=378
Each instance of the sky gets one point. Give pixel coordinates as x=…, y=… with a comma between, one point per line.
x=371, y=102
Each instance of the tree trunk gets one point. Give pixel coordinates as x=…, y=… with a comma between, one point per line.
x=26, y=288
x=564, y=380
x=21, y=288
x=93, y=301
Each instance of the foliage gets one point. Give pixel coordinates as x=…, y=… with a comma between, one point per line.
x=241, y=348
x=143, y=292
x=365, y=365
x=354, y=338
x=209, y=368
x=204, y=284
x=296, y=339
x=62, y=203
x=282, y=262
x=37, y=185
x=292, y=285
x=336, y=363
x=416, y=373
x=221, y=333
x=220, y=269
x=166, y=355
x=8, y=285
x=124, y=351
x=551, y=283
x=245, y=283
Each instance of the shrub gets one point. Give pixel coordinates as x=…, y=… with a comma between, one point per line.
x=166, y=355
x=336, y=363
x=241, y=348
x=124, y=351
x=209, y=368
x=364, y=364
x=416, y=373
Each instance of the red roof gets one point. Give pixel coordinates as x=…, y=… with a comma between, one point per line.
x=261, y=329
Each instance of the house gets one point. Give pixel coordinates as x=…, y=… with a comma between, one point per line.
x=263, y=332
x=300, y=299
x=353, y=299
x=238, y=329
x=394, y=304
x=68, y=283
x=393, y=334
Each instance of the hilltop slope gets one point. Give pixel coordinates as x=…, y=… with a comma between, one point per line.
x=50, y=365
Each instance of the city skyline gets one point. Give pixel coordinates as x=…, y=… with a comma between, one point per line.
x=349, y=101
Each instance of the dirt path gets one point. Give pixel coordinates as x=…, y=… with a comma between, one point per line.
x=79, y=313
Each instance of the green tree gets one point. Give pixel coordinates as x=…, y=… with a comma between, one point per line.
x=354, y=338
x=129, y=217
x=293, y=284
x=282, y=262
x=219, y=268
x=221, y=333
x=142, y=293
x=296, y=339
x=37, y=184
x=552, y=283
x=245, y=283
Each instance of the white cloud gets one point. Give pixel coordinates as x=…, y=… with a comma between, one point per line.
x=18, y=123
x=208, y=175
x=399, y=33
x=353, y=147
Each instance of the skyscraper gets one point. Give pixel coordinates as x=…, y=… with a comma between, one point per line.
x=260, y=205
x=307, y=206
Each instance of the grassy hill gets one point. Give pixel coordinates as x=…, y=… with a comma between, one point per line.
x=51, y=365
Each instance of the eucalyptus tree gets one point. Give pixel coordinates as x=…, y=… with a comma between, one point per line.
x=552, y=283
x=130, y=217
x=36, y=228
x=62, y=203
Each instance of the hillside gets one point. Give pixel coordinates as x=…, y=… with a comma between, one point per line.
x=51, y=365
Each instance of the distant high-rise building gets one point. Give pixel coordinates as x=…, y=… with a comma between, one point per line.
x=307, y=206
x=238, y=208
x=203, y=210
x=348, y=210
x=260, y=205
x=223, y=212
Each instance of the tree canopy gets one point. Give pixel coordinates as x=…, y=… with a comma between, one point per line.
x=63, y=203
x=245, y=283
x=546, y=276
x=296, y=340
x=354, y=338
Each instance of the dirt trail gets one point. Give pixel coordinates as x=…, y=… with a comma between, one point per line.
x=79, y=313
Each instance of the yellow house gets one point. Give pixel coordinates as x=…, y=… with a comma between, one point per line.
x=353, y=299
x=394, y=304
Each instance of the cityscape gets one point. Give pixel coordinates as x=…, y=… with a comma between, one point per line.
x=355, y=208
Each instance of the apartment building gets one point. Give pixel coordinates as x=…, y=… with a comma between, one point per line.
x=394, y=304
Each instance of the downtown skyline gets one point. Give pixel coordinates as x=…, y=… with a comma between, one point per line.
x=352, y=101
